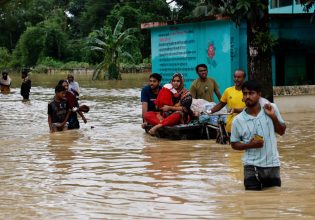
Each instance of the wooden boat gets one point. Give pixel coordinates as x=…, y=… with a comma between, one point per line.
x=185, y=132
x=194, y=131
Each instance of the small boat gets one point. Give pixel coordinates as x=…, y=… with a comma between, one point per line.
x=194, y=131
x=185, y=132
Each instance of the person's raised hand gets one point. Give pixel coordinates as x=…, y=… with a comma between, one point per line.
x=269, y=110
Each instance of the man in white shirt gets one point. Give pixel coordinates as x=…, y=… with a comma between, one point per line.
x=254, y=131
x=5, y=82
x=73, y=85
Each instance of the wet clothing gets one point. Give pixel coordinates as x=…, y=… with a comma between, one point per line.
x=203, y=89
x=148, y=96
x=5, y=84
x=257, y=178
x=58, y=110
x=26, y=87
x=74, y=88
x=245, y=126
x=234, y=99
x=73, y=122
x=261, y=163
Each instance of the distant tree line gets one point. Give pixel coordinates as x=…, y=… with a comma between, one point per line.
x=83, y=33
x=55, y=32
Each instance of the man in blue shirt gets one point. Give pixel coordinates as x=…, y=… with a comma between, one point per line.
x=254, y=130
x=150, y=92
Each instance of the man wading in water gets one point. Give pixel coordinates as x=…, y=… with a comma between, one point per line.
x=58, y=110
x=254, y=130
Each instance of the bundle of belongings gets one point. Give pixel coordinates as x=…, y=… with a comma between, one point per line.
x=200, y=107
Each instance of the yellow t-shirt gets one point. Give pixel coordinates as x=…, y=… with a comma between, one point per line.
x=234, y=99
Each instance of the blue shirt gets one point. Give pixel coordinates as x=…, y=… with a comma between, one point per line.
x=148, y=96
x=245, y=126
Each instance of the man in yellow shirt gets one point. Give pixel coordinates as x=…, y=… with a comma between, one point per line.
x=233, y=98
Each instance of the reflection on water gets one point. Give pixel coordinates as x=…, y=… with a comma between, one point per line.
x=110, y=169
x=60, y=144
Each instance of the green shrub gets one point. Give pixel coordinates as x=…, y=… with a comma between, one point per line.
x=50, y=62
x=29, y=47
x=5, y=57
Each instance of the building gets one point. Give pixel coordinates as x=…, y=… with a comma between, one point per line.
x=222, y=46
x=293, y=59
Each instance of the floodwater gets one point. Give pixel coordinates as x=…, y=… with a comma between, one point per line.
x=111, y=169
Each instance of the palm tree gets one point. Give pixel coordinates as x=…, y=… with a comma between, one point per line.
x=111, y=44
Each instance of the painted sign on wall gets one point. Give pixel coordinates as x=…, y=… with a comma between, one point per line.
x=179, y=48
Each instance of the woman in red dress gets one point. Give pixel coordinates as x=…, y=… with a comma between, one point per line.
x=171, y=115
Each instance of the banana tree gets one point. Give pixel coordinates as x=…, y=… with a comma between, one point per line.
x=110, y=43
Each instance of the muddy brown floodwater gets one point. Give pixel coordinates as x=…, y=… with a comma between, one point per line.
x=116, y=171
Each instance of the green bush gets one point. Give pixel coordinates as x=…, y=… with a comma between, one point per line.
x=29, y=47
x=5, y=57
x=50, y=62
x=38, y=42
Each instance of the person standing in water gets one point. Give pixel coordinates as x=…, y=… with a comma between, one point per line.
x=73, y=86
x=73, y=122
x=5, y=83
x=233, y=98
x=58, y=110
x=26, y=85
x=254, y=131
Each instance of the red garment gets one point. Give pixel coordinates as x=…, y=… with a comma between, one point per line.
x=164, y=98
x=152, y=119
x=71, y=99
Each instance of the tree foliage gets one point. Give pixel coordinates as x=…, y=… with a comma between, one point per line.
x=184, y=9
x=32, y=30
x=45, y=39
x=259, y=41
x=308, y=5
x=5, y=57
x=110, y=42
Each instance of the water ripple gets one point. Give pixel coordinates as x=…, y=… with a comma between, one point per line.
x=111, y=169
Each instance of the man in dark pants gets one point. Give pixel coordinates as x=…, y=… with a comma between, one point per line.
x=26, y=85
x=254, y=130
